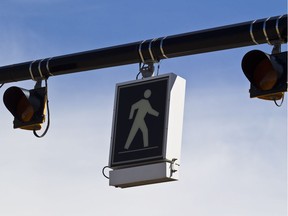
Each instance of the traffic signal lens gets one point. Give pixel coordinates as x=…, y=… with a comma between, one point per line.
x=25, y=110
x=265, y=77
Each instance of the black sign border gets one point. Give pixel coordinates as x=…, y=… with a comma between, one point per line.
x=145, y=160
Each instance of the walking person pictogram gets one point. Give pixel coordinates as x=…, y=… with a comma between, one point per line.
x=143, y=107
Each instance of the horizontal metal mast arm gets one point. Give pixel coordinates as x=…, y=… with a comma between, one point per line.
x=269, y=30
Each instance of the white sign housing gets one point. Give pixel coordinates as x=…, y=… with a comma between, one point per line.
x=147, y=131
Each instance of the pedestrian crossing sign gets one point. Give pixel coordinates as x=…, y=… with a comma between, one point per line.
x=141, y=123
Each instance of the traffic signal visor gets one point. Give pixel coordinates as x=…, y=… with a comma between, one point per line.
x=27, y=107
x=266, y=73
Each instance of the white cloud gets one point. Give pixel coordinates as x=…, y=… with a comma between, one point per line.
x=226, y=169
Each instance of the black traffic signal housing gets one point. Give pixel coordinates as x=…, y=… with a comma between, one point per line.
x=266, y=73
x=27, y=106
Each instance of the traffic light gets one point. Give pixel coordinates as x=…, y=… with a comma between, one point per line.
x=27, y=106
x=266, y=73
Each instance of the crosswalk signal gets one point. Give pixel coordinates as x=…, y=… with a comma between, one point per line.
x=266, y=73
x=27, y=106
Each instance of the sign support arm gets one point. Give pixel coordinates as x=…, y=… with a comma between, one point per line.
x=268, y=30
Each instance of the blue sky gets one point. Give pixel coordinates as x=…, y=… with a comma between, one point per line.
x=234, y=149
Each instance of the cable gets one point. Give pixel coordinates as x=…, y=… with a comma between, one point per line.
x=48, y=115
x=279, y=105
x=2, y=85
x=103, y=172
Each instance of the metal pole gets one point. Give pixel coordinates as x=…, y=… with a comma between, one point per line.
x=268, y=30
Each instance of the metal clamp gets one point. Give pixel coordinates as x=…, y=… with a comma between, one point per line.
x=140, y=51
x=251, y=32
x=39, y=69
x=161, y=48
x=146, y=67
x=277, y=28
x=47, y=67
x=264, y=31
x=150, y=50
x=173, y=165
x=31, y=72
x=42, y=75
